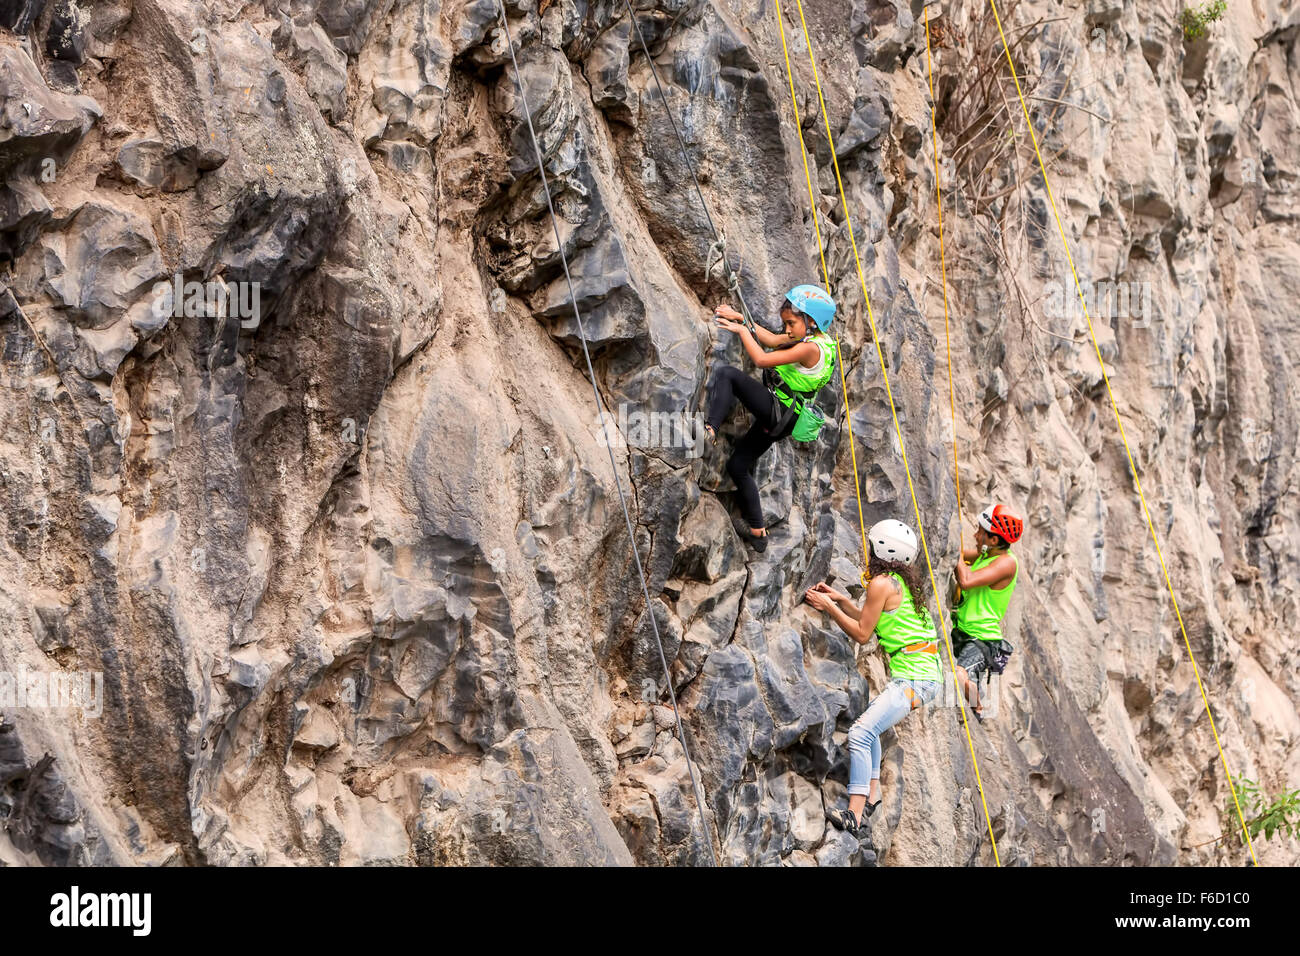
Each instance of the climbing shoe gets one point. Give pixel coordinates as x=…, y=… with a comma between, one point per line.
x=871, y=807
x=845, y=820
x=756, y=541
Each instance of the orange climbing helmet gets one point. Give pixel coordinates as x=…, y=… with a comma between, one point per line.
x=1003, y=523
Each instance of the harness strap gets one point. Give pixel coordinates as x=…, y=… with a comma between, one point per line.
x=782, y=412
x=798, y=399
x=921, y=647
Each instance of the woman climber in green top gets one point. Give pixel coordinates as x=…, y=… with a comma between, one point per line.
x=803, y=356
x=894, y=608
x=987, y=585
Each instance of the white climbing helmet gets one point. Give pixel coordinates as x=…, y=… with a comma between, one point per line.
x=892, y=540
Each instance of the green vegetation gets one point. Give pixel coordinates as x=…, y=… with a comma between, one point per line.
x=1196, y=20
x=1264, y=814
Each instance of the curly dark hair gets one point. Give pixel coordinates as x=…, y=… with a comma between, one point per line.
x=912, y=577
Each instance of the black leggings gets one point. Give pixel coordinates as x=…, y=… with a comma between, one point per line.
x=727, y=385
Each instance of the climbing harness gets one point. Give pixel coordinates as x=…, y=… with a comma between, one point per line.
x=1001, y=656
x=609, y=444
x=898, y=432
x=793, y=387
x=1132, y=467
x=808, y=418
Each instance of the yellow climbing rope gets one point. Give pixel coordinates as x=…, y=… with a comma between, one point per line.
x=880, y=355
x=943, y=280
x=947, y=337
x=1146, y=513
x=826, y=276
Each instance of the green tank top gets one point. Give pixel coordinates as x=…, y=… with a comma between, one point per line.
x=800, y=379
x=909, y=639
x=981, y=611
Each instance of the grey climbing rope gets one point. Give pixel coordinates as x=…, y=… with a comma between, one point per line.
x=719, y=239
x=609, y=445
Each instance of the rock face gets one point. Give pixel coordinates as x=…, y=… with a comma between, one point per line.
x=301, y=462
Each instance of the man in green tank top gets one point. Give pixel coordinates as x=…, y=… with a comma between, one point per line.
x=987, y=585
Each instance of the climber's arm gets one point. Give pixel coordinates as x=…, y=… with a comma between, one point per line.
x=861, y=629
x=873, y=604
x=838, y=597
x=770, y=339
x=766, y=337
x=851, y=609
x=805, y=353
x=995, y=575
x=847, y=624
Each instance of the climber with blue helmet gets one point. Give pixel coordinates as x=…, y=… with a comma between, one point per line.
x=894, y=609
x=801, y=361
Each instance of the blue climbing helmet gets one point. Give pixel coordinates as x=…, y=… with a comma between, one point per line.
x=814, y=302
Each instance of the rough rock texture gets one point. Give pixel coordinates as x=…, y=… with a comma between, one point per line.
x=354, y=569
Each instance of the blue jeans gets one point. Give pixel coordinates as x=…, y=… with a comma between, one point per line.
x=899, y=699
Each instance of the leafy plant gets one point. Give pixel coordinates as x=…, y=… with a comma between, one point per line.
x=1196, y=20
x=1264, y=814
